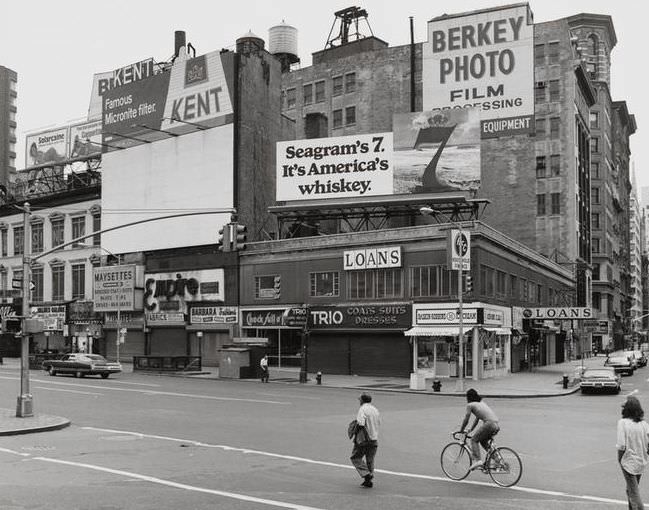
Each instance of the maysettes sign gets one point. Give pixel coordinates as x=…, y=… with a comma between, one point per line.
x=483, y=59
x=558, y=313
x=114, y=288
x=372, y=258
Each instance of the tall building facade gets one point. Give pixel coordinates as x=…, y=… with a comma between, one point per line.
x=635, y=253
x=8, y=109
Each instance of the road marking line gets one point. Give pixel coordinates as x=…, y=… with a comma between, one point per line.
x=176, y=485
x=68, y=391
x=529, y=490
x=14, y=452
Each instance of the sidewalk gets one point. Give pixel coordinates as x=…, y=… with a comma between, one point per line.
x=541, y=382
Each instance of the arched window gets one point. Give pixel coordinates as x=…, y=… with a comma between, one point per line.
x=592, y=55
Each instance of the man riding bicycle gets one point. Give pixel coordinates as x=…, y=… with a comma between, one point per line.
x=486, y=431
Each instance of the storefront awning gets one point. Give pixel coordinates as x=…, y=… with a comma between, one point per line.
x=435, y=331
x=500, y=331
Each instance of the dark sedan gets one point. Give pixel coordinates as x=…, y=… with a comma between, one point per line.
x=621, y=364
x=600, y=379
x=81, y=364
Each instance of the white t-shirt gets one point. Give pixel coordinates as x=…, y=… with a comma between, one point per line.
x=263, y=363
x=633, y=436
x=368, y=416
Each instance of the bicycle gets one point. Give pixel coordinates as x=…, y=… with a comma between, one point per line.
x=501, y=463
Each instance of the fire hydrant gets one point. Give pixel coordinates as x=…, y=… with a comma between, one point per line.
x=565, y=381
x=318, y=378
x=437, y=385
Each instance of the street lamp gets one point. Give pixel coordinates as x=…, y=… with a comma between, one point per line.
x=429, y=211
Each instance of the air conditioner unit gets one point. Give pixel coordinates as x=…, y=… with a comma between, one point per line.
x=540, y=84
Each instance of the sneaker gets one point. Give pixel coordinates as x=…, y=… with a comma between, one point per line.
x=476, y=465
x=368, y=484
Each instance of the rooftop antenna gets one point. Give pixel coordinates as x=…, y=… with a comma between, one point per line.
x=347, y=18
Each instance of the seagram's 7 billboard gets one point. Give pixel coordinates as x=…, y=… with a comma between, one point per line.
x=483, y=59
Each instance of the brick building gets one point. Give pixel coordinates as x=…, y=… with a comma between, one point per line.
x=8, y=109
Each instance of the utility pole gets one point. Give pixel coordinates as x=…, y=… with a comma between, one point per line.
x=25, y=404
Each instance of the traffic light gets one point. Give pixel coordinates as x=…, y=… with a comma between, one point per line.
x=224, y=241
x=468, y=284
x=277, y=286
x=239, y=237
x=11, y=325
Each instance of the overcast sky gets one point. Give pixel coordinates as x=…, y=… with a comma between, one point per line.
x=56, y=47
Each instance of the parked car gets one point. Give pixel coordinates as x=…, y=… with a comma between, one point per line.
x=641, y=358
x=81, y=364
x=632, y=358
x=600, y=379
x=621, y=364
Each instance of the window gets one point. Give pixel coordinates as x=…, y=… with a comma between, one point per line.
x=594, y=119
x=594, y=170
x=350, y=115
x=522, y=290
x=555, y=123
x=308, y=93
x=325, y=284
x=37, y=279
x=338, y=119
x=37, y=237
x=290, y=98
x=540, y=167
x=487, y=285
x=337, y=85
x=58, y=282
x=268, y=286
x=596, y=271
x=595, y=245
x=539, y=92
x=539, y=294
x=320, y=91
x=19, y=239
x=540, y=205
x=594, y=195
x=350, y=83
x=57, y=231
x=431, y=281
x=553, y=53
x=555, y=165
x=597, y=301
x=539, y=54
x=78, y=227
x=3, y=240
x=78, y=281
x=595, y=221
x=555, y=90
x=539, y=125
x=555, y=200
x=375, y=284
x=501, y=283
x=96, y=227
x=513, y=286
x=594, y=144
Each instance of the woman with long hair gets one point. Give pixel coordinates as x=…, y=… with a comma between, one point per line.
x=632, y=448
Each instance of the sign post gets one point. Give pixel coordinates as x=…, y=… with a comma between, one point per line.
x=25, y=405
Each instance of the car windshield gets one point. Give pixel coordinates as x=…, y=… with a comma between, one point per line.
x=95, y=357
x=618, y=359
x=598, y=373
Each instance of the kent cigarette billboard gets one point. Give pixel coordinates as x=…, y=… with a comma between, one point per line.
x=483, y=59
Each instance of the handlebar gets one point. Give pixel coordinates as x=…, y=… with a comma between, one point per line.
x=460, y=435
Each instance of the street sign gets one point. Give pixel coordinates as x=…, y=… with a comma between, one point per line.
x=459, y=250
x=32, y=285
x=16, y=283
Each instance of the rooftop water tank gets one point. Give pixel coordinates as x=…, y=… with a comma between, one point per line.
x=282, y=42
x=249, y=43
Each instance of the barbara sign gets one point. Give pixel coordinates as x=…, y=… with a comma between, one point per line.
x=483, y=60
x=374, y=258
x=346, y=166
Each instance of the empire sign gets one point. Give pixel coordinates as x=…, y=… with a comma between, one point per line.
x=558, y=313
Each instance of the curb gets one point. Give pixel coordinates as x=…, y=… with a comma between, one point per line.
x=43, y=428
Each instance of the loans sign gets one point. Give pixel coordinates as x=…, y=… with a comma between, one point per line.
x=558, y=313
x=483, y=59
x=346, y=166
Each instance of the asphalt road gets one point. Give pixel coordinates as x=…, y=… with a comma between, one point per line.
x=158, y=442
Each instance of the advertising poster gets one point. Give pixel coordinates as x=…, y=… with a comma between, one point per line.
x=200, y=92
x=85, y=139
x=134, y=111
x=114, y=288
x=47, y=147
x=483, y=60
x=170, y=292
x=339, y=167
x=437, y=151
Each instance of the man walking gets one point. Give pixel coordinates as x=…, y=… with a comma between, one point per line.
x=263, y=364
x=366, y=440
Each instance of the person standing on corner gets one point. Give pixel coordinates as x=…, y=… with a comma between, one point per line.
x=632, y=444
x=366, y=440
x=263, y=364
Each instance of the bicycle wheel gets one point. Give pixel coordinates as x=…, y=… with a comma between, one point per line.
x=504, y=466
x=456, y=461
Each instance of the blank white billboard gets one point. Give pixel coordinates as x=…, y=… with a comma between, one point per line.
x=193, y=172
